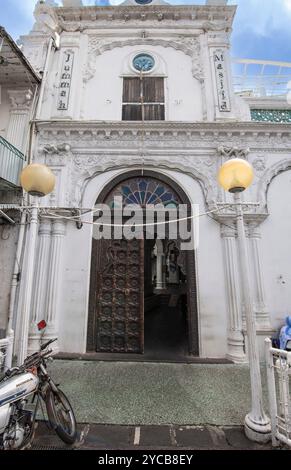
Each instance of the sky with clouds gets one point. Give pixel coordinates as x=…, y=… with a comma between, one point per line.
x=262, y=28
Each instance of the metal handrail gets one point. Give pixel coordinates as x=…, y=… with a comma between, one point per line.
x=11, y=162
x=11, y=148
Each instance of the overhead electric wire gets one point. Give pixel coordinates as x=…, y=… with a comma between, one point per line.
x=195, y=216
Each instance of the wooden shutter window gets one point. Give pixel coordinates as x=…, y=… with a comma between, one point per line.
x=131, y=90
x=152, y=89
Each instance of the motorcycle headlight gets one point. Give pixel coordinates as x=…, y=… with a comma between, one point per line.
x=288, y=345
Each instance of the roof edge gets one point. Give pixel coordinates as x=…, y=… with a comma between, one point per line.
x=20, y=55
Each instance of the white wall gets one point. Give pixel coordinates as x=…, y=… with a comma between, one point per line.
x=100, y=98
x=276, y=249
x=103, y=97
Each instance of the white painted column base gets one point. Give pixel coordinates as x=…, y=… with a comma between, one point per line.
x=235, y=342
x=257, y=432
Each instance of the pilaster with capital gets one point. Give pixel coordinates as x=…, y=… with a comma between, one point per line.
x=260, y=308
x=53, y=285
x=40, y=283
x=235, y=337
x=21, y=101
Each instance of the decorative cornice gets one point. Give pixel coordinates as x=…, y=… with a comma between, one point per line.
x=91, y=148
x=240, y=134
x=204, y=17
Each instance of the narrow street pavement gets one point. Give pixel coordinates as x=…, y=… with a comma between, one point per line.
x=144, y=405
x=175, y=438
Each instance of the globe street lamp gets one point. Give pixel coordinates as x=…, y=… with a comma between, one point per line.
x=37, y=180
x=235, y=176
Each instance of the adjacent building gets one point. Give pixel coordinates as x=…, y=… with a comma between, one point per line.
x=19, y=85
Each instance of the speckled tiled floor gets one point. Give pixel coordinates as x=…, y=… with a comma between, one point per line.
x=153, y=393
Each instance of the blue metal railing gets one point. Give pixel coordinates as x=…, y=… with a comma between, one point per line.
x=11, y=162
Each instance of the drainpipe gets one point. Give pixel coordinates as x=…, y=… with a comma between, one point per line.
x=30, y=134
x=14, y=284
x=45, y=74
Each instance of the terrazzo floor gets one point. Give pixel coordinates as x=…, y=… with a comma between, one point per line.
x=128, y=393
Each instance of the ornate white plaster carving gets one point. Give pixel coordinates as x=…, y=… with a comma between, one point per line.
x=20, y=99
x=239, y=135
x=186, y=147
x=259, y=164
x=87, y=167
x=233, y=152
x=189, y=46
x=56, y=149
x=214, y=26
x=266, y=179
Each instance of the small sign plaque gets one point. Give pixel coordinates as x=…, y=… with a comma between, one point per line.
x=221, y=81
x=65, y=81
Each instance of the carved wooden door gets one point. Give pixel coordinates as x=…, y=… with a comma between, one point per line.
x=119, y=296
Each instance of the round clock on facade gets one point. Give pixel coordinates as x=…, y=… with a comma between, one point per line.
x=143, y=62
x=143, y=2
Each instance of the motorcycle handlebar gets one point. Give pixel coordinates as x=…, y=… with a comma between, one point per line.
x=32, y=360
x=45, y=345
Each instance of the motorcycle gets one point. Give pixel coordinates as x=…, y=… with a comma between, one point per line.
x=32, y=381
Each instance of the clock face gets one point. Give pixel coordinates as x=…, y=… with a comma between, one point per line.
x=144, y=62
x=143, y=2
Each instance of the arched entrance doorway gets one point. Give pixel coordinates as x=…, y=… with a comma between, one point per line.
x=143, y=295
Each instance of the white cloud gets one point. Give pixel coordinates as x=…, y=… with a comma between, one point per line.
x=287, y=4
x=263, y=17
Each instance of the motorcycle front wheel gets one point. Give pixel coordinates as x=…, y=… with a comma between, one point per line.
x=61, y=416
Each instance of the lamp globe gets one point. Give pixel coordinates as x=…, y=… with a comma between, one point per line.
x=37, y=179
x=235, y=175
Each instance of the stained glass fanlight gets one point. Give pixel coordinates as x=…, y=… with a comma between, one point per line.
x=143, y=191
x=143, y=62
x=143, y=2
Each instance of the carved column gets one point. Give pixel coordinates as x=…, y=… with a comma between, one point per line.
x=53, y=286
x=40, y=286
x=235, y=338
x=260, y=308
x=160, y=271
x=21, y=101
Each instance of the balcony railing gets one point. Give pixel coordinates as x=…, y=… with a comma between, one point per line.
x=11, y=163
x=261, y=78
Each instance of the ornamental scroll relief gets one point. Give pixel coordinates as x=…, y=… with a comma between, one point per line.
x=190, y=46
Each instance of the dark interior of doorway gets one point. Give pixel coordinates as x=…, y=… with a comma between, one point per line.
x=165, y=309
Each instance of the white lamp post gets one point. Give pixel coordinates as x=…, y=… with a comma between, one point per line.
x=235, y=176
x=38, y=180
